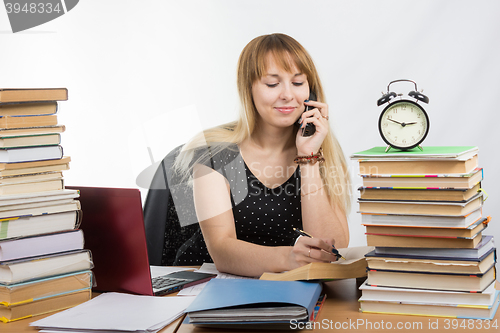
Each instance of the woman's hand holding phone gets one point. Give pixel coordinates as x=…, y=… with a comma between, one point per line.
x=316, y=114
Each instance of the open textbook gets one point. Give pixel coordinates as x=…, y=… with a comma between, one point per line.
x=353, y=267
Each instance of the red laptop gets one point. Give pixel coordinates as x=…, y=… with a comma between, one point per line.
x=113, y=229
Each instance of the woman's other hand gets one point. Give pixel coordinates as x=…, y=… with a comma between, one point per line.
x=307, y=250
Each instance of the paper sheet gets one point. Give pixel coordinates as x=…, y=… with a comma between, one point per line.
x=208, y=268
x=117, y=311
x=82, y=331
x=163, y=270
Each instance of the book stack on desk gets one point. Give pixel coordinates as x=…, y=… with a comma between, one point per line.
x=43, y=266
x=422, y=210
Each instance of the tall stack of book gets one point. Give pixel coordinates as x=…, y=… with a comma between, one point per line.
x=43, y=266
x=423, y=213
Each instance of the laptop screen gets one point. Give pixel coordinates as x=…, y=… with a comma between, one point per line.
x=113, y=229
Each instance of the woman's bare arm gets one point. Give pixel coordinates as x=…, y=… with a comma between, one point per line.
x=231, y=255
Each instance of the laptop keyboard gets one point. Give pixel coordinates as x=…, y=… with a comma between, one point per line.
x=163, y=282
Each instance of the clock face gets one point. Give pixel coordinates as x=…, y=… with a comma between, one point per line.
x=403, y=124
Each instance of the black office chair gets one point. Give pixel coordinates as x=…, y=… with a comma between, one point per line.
x=169, y=242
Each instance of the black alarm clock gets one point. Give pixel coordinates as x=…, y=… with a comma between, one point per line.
x=403, y=124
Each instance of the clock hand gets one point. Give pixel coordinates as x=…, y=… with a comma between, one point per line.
x=401, y=123
x=395, y=121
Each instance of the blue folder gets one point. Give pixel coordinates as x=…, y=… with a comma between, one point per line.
x=230, y=293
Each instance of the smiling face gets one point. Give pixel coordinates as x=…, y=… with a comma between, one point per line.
x=279, y=95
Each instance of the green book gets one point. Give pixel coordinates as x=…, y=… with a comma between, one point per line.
x=428, y=152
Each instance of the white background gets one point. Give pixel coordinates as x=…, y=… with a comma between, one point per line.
x=152, y=73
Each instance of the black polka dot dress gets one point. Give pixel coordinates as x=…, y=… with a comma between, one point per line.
x=267, y=216
x=262, y=215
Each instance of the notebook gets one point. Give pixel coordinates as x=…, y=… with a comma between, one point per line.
x=231, y=303
x=113, y=229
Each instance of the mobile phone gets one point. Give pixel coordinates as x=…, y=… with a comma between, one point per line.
x=309, y=129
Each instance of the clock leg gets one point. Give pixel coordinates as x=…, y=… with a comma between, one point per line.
x=388, y=148
x=420, y=147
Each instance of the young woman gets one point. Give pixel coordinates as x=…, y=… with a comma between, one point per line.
x=259, y=178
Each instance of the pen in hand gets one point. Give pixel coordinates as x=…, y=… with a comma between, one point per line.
x=305, y=234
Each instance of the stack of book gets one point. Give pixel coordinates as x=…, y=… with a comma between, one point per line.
x=423, y=214
x=43, y=266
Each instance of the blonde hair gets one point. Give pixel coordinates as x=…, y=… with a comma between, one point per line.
x=287, y=53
